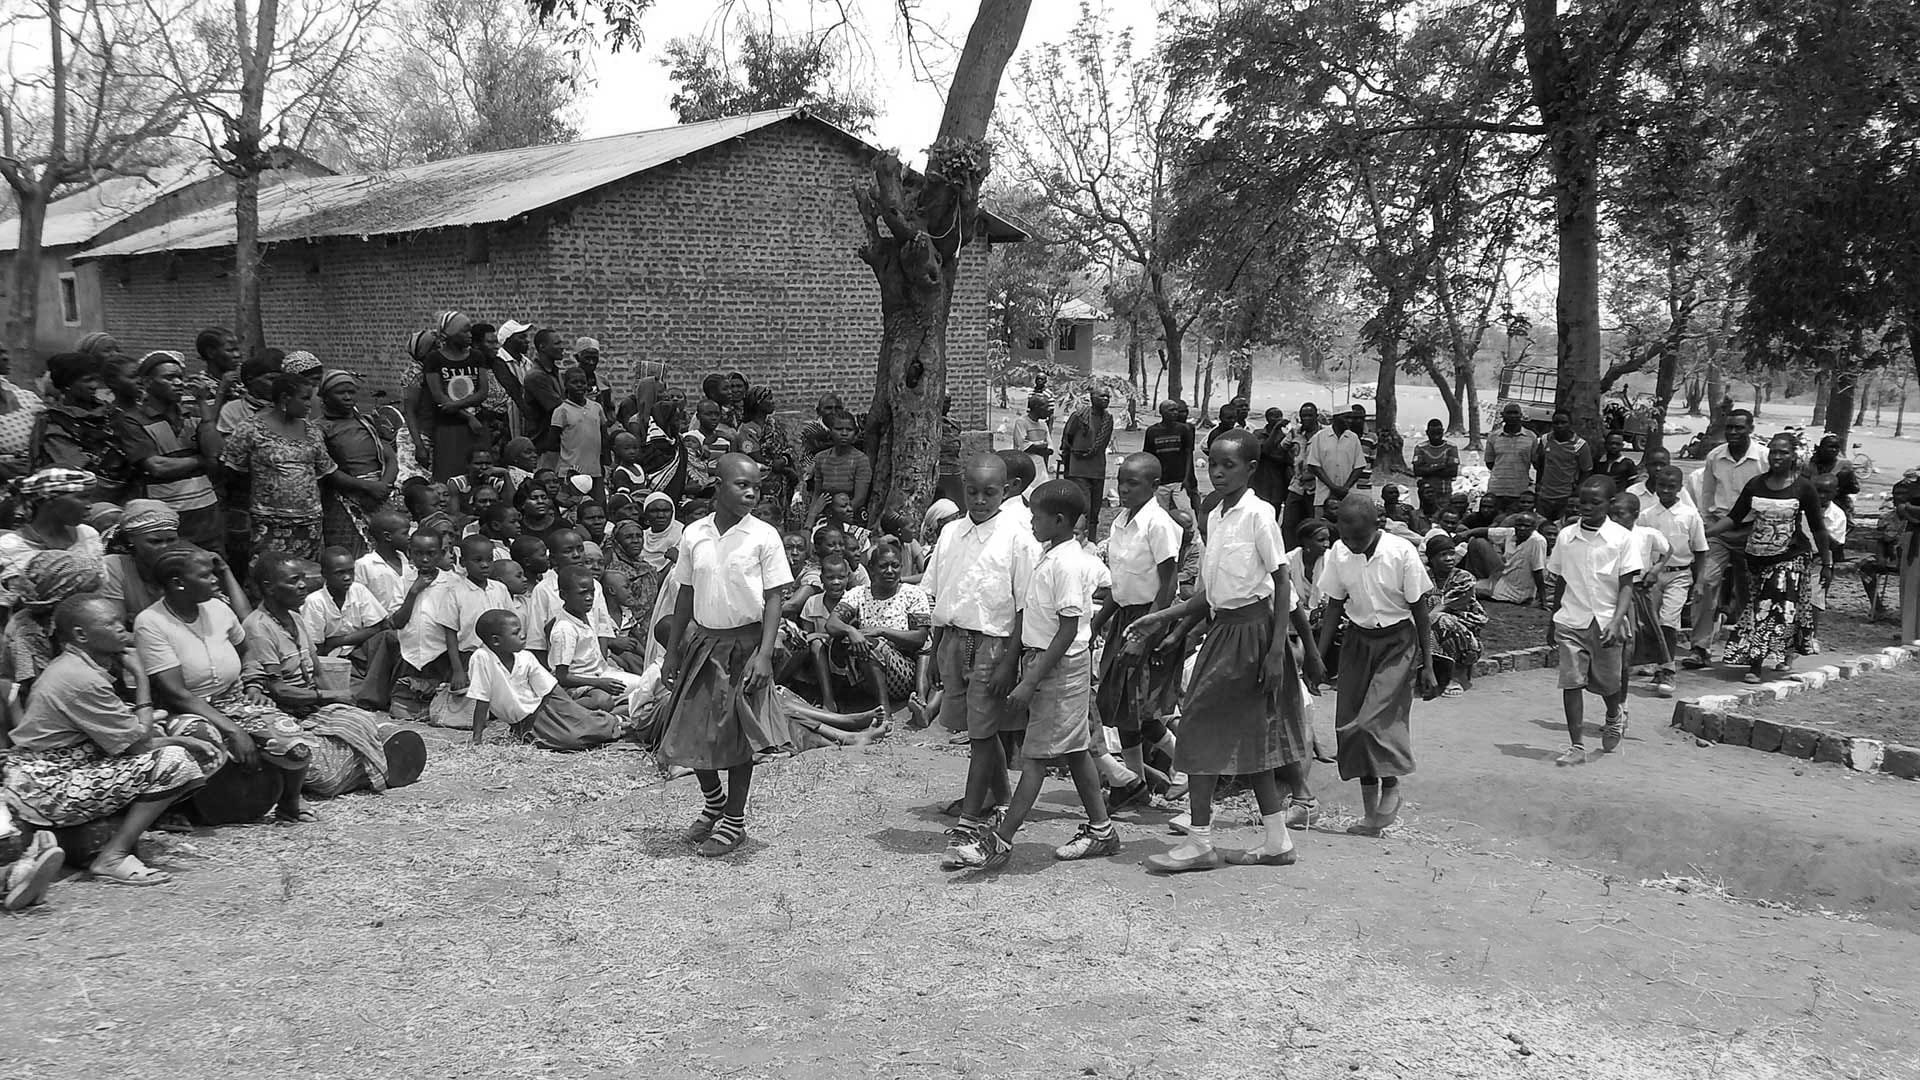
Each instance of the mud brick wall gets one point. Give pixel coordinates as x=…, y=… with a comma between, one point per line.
x=740, y=257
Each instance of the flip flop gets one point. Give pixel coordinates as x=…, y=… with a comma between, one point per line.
x=29, y=879
x=141, y=874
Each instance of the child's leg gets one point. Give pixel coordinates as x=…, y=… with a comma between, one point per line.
x=731, y=829
x=817, y=649
x=877, y=676
x=1273, y=815
x=1033, y=773
x=1086, y=780
x=1200, y=832
x=714, y=798
x=1573, y=703
x=1292, y=779
x=986, y=777
x=592, y=698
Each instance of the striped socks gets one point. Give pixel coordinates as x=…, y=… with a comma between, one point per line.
x=716, y=805
x=731, y=828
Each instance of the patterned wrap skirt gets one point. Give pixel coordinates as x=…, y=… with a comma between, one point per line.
x=298, y=537
x=1376, y=683
x=1133, y=689
x=1778, y=617
x=78, y=784
x=712, y=722
x=1232, y=722
x=899, y=670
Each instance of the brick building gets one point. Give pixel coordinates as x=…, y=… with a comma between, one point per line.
x=727, y=245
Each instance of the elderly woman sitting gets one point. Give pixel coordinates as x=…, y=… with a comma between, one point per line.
x=189, y=644
x=82, y=753
x=50, y=578
x=353, y=750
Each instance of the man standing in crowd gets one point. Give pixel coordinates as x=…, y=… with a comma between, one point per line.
x=1436, y=464
x=1171, y=442
x=1032, y=434
x=1300, y=485
x=1088, y=433
x=1561, y=461
x=544, y=393
x=1728, y=468
x=1509, y=458
x=515, y=343
x=1335, y=458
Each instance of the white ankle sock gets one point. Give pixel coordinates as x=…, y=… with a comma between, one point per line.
x=1200, y=836
x=1278, y=839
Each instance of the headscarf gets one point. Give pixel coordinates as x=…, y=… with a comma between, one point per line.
x=300, y=364
x=53, y=576
x=941, y=510
x=54, y=480
x=149, y=515
x=334, y=377
x=593, y=552
x=516, y=446
x=582, y=483
x=154, y=359
x=105, y=517
x=421, y=344
x=94, y=342
x=445, y=319
x=586, y=344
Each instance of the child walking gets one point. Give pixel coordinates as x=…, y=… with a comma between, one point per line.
x=1686, y=534
x=728, y=578
x=979, y=575
x=1594, y=565
x=1244, y=715
x=1056, y=682
x=1143, y=555
x=1378, y=582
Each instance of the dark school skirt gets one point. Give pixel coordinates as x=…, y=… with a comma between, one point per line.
x=1376, y=684
x=1133, y=689
x=561, y=723
x=711, y=721
x=1232, y=722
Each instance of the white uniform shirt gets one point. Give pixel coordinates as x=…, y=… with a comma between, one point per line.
x=456, y=603
x=1519, y=559
x=573, y=645
x=1641, y=491
x=1591, y=563
x=323, y=618
x=388, y=586
x=422, y=639
x=1653, y=549
x=730, y=572
x=511, y=694
x=543, y=605
x=978, y=574
x=1243, y=550
x=1685, y=532
x=1136, y=546
x=1379, y=587
x=1061, y=585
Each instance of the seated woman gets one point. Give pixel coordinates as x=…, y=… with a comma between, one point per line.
x=189, y=646
x=353, y=750
x=56, y=508
x=49, y=579
x=1455, y=614
x=148, y=529
x=885, y=625
x=82, y=753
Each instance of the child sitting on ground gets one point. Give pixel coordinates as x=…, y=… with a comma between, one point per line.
x=1455, y=614
x=342, y=616
x=386, y=570
x=577, y=653
x=506, y=681
x=1056, y=683
x=804, y=638
x=1510, y=561
x=406, y=661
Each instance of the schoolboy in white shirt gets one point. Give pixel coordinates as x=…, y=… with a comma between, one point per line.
x=1594, y=565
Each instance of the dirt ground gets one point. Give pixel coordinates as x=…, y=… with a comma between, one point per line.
x=1877, y=705
x=522, y=914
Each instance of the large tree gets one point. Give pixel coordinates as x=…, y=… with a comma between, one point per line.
x=452, y=77
x=917, y=227
x=761, y=67
x=90, y=109
x=284, y=73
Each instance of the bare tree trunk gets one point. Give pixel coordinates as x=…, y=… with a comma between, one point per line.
x=1664, y=378
x=1245, y=388
x=23, y=302
x=1463, y=378
x=1865, y=393
x=1448, y=395
x=916, y=229
x=1389, y=454
x=1822, y=397
x=1170, y=336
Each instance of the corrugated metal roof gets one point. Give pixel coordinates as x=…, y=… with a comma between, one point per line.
x=1078, y=310
x=85, y=214
x=472, y=190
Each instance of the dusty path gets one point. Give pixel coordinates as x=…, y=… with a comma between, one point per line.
x=500, y=919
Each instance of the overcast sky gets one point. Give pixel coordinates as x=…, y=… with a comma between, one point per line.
x=632, y=87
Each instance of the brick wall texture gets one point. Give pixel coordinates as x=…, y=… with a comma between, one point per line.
x=740, y=257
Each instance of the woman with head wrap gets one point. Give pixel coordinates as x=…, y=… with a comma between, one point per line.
x=55, y=503
x=49, y=577
x=663, y=453
x=149, y=529
x=762, y=438
x=456, y=381
x=76, y=430
x=369, y=462
x=287, y=461
x=170, y=448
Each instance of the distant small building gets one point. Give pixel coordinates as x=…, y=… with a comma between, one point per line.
x=719, y=246
x=1071, y=344
x=70, y=303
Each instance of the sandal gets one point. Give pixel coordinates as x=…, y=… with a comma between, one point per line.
x=28, y=880
x=130, y=871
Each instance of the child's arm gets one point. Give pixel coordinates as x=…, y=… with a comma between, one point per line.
x=1312, y=668
x=1273, y=665
x=456, y=671
x=1101, y=617
x=403, y=614
x=862, y=479
x=1615, y=632
x=1330, y=623
x=566, y=678
x=482, y=711
x=1044, y=663
x=1426, y=680
x=761, y=673
x=1169, y=583
x=1008, y=670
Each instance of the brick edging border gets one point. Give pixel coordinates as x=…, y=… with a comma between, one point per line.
x=1514, y=660
x=1713, y=717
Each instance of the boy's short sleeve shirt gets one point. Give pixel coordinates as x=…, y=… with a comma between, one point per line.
x=979, y=574
x=1591, y=562
x=1378, y=586
x=1243, y=549
x=1060, y=586
x=573, y=645
x=512, y=694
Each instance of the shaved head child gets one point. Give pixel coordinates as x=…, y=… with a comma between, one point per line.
x=1245, y=715
x=978, y=575
x=729, y=577
x=1593, y=568
x=1143, y=555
